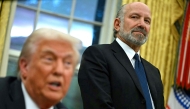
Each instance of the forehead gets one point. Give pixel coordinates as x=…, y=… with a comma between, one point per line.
x=138, y=8
x=58, y=47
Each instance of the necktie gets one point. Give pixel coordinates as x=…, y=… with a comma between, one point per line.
x=143, y=81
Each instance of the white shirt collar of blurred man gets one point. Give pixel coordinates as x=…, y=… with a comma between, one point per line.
x=29, y=103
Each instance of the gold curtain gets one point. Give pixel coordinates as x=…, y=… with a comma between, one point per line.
x=162, y=45
x=4, y=18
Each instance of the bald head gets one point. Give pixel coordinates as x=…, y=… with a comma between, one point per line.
x=137, y=5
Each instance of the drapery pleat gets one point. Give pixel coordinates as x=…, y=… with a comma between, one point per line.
x=4, y=18
x=161, y=47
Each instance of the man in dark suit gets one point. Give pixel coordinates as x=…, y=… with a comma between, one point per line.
x=46, y=65
x=109, y=73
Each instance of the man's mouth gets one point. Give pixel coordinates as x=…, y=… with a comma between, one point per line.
x=55, y=86
x=139, y=31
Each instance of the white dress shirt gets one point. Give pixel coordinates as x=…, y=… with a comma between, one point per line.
x=29, y=103
x=131, y=53
x=128, y=50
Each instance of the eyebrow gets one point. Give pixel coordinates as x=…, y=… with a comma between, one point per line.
x=140, y=15
x=50, y=51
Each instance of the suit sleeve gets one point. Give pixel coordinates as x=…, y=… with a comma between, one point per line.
x=161, y=93
x=93, y=78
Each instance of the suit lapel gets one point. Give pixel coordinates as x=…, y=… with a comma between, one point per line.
x=125, y=62
x=151, y=83
x=16, y=98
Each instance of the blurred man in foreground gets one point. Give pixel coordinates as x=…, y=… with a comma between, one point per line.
x=46, y=65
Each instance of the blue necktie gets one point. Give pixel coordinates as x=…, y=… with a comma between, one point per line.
x=143, y=81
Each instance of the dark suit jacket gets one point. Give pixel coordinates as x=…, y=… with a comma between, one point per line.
x=11, y=95
x=108, y=80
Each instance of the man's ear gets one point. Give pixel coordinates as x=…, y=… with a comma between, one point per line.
x=117, y=24
x=23, y=65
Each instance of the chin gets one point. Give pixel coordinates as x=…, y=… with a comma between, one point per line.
x=55, y=96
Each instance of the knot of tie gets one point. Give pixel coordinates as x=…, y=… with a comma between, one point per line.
x=136, y=57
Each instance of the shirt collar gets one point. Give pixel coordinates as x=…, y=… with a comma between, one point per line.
x=128, y=50
x=29, y=103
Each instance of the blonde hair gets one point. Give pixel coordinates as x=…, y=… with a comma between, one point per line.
x=31, y=43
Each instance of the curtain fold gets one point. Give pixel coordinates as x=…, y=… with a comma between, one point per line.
x=161, y=47
x=4, y=19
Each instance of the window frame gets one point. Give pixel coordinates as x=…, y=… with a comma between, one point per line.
x=106, y=34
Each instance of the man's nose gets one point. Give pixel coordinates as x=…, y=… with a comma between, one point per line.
x=59, y=68
x=142, y=24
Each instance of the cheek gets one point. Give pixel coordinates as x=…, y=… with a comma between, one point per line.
x=148, y=30
x=128, y=27
x=41, y=71
x=45, y=68
x=68, y=77
x=129, y=24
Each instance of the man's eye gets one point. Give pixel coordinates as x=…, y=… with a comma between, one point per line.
x=134, y=17
x=48, y=59
x=68, y=63
x=147, y=21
